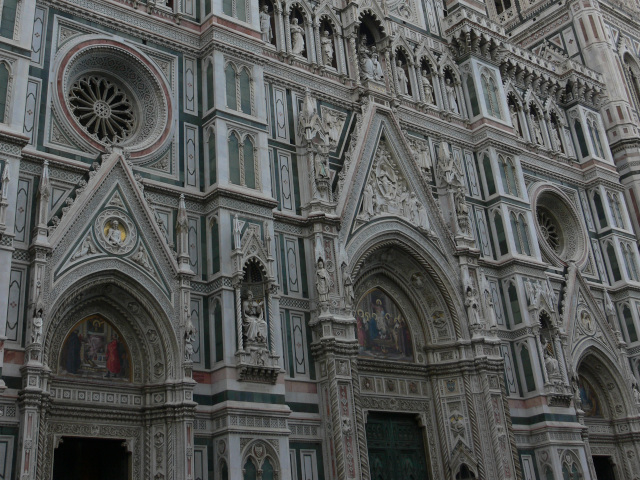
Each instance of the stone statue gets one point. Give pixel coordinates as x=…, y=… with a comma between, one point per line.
x=254, y=324
x=414, y=213
x=488, y=300
x=297, y=37
x=367, y=202
x=347, y=284
x=636, y=393
x=577, y=400
x=423, y=217
x=550, y=363
x=323, y=282
x=515, y=120
x=378, y=74
x=537, y=131
x=366, y=63
x=87, y=248
x=114, y=235
x=265, y=24
x=557, y=144
x=237, y=232
x=332, y=125
x=473, y=306
x=326, y=43
x=142, y=259
x=450, y=172
x=452, y=97
x=189, y=337
x=36, y=326
x=427, y=87
x=403, y=81
x=321, y=159
x=462, y=209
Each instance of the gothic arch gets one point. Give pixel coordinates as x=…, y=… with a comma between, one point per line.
x=393, y=233
x=132, y=310
x=258, y=452
x=600, y=369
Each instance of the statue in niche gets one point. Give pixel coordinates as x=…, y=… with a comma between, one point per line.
x=636, y=393
x=577, y=399
x=347, y=285
x=36, y=326
x=297, y=37
x=550, y=362
x=321, y=162
x=427, y=87
x=189, y=338
x=332, y=123
x=449, y=171
x=254, y=324
x=414, y=212
x=237, y=231
x=323, y=283
x=515, y=119
x=452, y=97
x=537, y=130
x=488, y=300
x=403, y=81
x=377, y=67
x=423, y=217
x=557, y=144
x=265, y=24
x=473, y=306
x=326, y=44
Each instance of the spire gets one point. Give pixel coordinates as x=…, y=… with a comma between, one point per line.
x=182, y=231
x=44, y=191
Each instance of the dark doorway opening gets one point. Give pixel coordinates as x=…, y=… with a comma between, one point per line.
x=91, y=459
x=604, y=467
x=396, y=447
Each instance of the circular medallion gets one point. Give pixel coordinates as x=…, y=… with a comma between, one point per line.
x=115, y=232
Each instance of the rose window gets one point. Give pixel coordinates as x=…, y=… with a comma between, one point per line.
x=102, y=108
x=549, y=230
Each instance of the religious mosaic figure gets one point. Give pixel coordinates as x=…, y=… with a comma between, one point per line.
x=114, y=357
x=326, y=42
x=265, y=24
x=297, y=37
x=254, y=324
x=403, y=81
x=427, y=87
x=451, y=96
x=382, y=328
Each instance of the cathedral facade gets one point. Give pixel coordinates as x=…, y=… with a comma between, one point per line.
x=319, y=240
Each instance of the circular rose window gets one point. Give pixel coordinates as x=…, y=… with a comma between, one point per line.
x=112, y=93
x=559, y=227
x=102, y=108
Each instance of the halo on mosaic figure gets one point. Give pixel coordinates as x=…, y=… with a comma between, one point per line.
x=561, y=233
x=109, y=92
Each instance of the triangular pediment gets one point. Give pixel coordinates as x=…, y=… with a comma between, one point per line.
x=110, y=225
x=387, y=181
x=585, y=322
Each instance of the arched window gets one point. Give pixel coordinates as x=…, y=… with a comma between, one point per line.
x=630, y=324
x=594, y=132
x=529, y=379
x=236, y=9
x=209, y=86
x=7, y=24
x=577, y=126
x=227, y=7
x=548, y=473
x=488, y=175
x=232, y=95
x=523, y=229
x=508, y=172
x=4, y=85
x=633, y=73
x=245, y=91
x=491, y=95
x=630, y=262
x=571, y=472
x=211, y=156
x=250, y=471
x=224, y=471
x=500, y=233
x=614, y=209
x=613, y=262
x=502, y=5
x=602, y=218
x=267, y=470
x=473, y=98
x=514, y=304
x=249, y=164
x=516, y=233
x=234, y=159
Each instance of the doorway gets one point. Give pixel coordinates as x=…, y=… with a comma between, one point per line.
x=91, y=459
x=604, y=467
x=396, y=447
